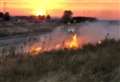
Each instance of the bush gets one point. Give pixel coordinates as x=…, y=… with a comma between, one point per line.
x=6, y=16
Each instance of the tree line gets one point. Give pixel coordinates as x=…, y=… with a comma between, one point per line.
x=5, y=16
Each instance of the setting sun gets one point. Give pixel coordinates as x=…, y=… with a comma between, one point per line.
x=40, y=13
x=94, y=8
x=41, y=7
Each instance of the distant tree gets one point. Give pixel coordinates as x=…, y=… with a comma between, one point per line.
x=1, y=14
x=41, y=18
x=7, y=16
x=67, y=16
x=48, y=17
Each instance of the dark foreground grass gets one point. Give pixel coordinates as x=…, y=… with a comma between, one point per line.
x=100, y=63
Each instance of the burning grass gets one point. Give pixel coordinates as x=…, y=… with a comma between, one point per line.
x=91, y=63
x=72, y=42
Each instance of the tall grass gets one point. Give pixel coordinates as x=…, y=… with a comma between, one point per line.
x=92, y=63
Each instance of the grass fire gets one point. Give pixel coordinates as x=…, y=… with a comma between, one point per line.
x=35, y=50
x=73, y=43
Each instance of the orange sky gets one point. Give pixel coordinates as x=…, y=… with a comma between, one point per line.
x=107, y=9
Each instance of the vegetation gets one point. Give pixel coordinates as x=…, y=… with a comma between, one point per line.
x=1, y=14
x=92, y=63
x=67, y=16
x=5, y=16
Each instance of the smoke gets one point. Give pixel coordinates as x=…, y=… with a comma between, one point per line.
x=86, y=32
x=100, y=30
x=89, y=32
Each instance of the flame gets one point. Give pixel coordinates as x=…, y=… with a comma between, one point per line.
x=73, y=43
x=35, y=50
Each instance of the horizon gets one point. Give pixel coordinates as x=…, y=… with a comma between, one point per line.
x=108, y=9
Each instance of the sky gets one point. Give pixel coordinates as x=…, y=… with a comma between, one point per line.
x=104, y=9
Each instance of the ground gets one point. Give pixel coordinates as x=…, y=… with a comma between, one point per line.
x=13, y=27
x=98, y=63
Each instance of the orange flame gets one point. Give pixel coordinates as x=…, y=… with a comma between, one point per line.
x=73, y=43
x=36, y=50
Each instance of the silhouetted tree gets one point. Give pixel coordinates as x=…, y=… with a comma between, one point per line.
x=1, y=14
x=7, y=16
x=41, y=18
x=67, y=16
x=48, y=17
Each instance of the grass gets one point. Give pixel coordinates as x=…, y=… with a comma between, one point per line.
x=92, y=63
x=13, y=28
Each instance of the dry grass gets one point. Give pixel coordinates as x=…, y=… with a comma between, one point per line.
x=100, y=63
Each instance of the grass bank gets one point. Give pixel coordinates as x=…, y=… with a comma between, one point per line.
x=98, y=63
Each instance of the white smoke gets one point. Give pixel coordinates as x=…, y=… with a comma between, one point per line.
x=89, y=32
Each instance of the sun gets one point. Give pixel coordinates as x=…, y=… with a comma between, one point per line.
x=40, y=13
x=39, y=7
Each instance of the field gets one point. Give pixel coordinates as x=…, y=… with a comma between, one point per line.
x=23, y=27
x=91, y=63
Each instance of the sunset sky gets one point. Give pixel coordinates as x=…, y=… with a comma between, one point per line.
x=106, y=9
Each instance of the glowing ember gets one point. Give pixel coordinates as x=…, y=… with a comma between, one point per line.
x=58, y=46
x=73, y=43
x=100, y=42
x=36, y=50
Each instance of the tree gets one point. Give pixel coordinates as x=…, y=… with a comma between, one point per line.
x=48, y=17
x=7, y=16
x=67, y=16
x=1, y=14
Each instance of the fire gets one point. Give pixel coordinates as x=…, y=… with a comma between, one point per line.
x=36, y=50
x=73, y=43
